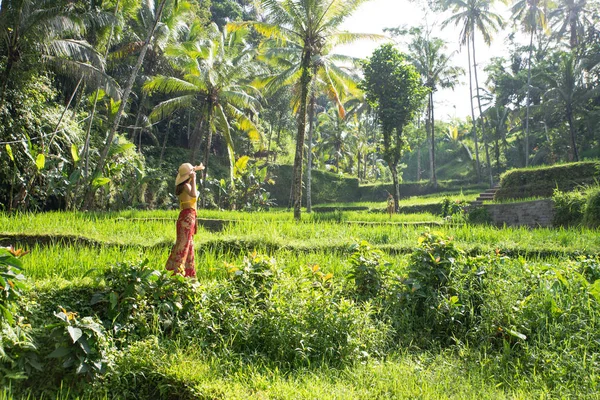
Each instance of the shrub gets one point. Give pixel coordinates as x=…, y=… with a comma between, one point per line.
x=141, y=371
x=591, y=215
x=80, y=344
x=440, y=297
x=367, y=271
x=451, y=207
x=569, y=208
x=478, y=215
x=541, y=181
x=138, y=301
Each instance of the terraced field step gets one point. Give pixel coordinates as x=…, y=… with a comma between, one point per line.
x=247, y=246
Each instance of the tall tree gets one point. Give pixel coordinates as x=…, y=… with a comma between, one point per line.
x=474, y=15
x=216, y=72
x=91, y=191
x=429, y=55
x=52, y=31
x=567, y=93
x=394, y=89
x=532, y=14
x=314, y=26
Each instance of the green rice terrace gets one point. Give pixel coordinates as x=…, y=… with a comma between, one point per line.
x=342, y=305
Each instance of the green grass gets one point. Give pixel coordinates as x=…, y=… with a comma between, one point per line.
x=305, y=236
x=464, y=372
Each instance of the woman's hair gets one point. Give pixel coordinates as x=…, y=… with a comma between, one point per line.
x=179, y=188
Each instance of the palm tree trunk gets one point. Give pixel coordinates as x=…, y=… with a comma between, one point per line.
x=209, y=134
x=111, y=134
x=572, y=132
x=528, y=101
x=432, y=144
x=305, y=79
x=136, y=128
x=311, y=127
x=477, y=164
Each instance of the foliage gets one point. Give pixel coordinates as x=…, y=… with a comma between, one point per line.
x=326, y=186
x=569, y=207
x=18, y=352
x=394, y=89
x=367, y=271
x=452, y=207
x=247, y=191
x=478, y=215
x=541, y=181
x=140, y=372
x=591, y=216
x=138, y=300
x=80, y=343
x=12, y=282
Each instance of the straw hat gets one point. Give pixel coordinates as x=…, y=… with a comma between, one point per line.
x=185, y=170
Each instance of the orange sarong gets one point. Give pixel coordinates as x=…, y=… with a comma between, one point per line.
x=181, y=259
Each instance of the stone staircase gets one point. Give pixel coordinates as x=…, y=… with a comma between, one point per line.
x=488, y=195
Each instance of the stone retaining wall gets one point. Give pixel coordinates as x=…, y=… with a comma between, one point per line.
x=537, y=213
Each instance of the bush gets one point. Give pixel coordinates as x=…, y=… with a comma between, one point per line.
x=569, y=208
x=367, y=271
x=591, y=215
x=478, y=215
x=138, y=300
x=542, y=181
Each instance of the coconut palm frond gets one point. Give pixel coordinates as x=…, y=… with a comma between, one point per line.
x=223, y=125
x=167, y=84
x=245, y=124
x=347, y=38
x=167, y=107
x=92, y=76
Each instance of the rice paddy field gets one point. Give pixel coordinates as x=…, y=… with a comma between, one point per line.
x=342, y=305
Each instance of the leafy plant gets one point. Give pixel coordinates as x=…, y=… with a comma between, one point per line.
x=367, y=271
x=12, y=281
x=591, y=215
x=247, y=190
x=254, y=279
x=139, y=300
x=453, y=207
x=478, y=215
x=79, y=343
x=569, y=207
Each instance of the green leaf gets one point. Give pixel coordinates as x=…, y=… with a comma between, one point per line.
x=594, y=289
x=74, y=152
x=101, y=181
x=7, y=314
x=516, y=334
x=59, y=352
x=112, y=298
x=75, y=333
x=10, y=153
x=40, y=161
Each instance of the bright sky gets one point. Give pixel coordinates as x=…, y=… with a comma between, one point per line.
x=375, y=15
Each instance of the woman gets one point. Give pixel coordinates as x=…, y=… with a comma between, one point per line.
x=181, y=259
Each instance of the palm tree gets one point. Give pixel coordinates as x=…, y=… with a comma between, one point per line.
x=531, y=13
x=474, y=15
x=314, y=26
x=568, y=92
x=52, y=31
x=215, y=72
x=570, y=16
x=126, y=92
x=335, y=136
x=427, y=54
